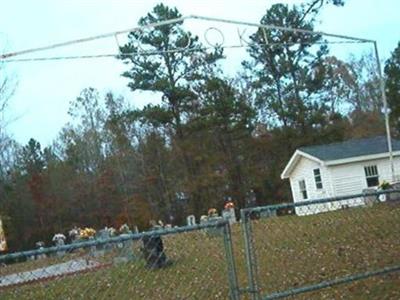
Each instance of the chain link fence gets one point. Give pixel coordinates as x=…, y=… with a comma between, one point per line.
x=320, y=249
x=301, y=248
x=192, y=262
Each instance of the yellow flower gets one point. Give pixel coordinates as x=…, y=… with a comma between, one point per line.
x=87, y=232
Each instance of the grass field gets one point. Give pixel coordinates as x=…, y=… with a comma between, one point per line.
x=291, y=251
x=296, y=251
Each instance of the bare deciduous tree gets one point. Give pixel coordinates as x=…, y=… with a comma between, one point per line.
x=8, y=84
x=7, y=88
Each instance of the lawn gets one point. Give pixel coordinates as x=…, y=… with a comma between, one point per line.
x=296, y=251
x=291, y=251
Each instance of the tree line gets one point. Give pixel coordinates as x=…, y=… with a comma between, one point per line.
x=211, y=136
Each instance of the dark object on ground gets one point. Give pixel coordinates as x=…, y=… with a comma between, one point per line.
x=254, y=215
x=153, y=250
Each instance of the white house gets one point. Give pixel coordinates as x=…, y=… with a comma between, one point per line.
x=339, y=169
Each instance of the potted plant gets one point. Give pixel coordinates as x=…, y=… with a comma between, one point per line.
x=383, y=186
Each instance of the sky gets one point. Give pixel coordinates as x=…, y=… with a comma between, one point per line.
x=40, y=104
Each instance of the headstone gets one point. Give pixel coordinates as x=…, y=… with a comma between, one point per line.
x=40, y=246
x=126, y=253
x=191, y=220
x=251, y=199
x=203, y=219
x=112, y=231
x=229, y=215
x=103, y=234
x=153, y=251
x=59, y=240
x=93, y=250
x=212, y=218
x=212, y=212
x=73, y=234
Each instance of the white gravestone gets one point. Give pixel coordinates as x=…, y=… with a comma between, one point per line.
x=229, y=215
x=191, y=220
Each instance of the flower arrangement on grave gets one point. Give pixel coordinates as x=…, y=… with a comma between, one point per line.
x=212, y=212
x=74, y=233
x=229, y=205
x=87, y=233
x=384, y=185
x=40, y=244
x=124, y=228
x=59, y=238
x=203, y=219
x=111, y=231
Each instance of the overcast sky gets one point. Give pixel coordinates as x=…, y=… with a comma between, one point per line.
x=45, y=89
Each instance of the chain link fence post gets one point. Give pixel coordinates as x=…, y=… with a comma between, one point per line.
x=251, y=263
x=230, y=259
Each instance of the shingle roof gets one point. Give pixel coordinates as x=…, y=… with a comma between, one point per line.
x=351, y=148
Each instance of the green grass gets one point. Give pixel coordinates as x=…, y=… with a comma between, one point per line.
x=296, y=251
x=291, y=251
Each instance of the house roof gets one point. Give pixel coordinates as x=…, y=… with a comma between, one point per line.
x=343, y=152
x=351, y=148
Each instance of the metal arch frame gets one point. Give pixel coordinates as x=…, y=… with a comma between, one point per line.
x=3, y=57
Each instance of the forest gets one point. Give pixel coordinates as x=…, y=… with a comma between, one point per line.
x=212, y=136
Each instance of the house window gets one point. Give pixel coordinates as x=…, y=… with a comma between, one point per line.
x=318, y=178
x=371, y=174
x=303, y=189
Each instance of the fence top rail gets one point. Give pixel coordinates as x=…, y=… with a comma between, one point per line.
x=112, y=240
x=275, y=207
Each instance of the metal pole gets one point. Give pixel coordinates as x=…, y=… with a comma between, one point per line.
x=177, y=20
x=230, y=259
x=91, y=38
x=251, y=264
x=289, y=29
x=385, y=110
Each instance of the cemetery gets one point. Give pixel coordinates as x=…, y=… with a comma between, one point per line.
x=151, y=250
x=150, y=165
x=199, y=254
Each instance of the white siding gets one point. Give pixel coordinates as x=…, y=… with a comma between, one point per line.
x=304, y=171
x=338, y=180
x=350, y=179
